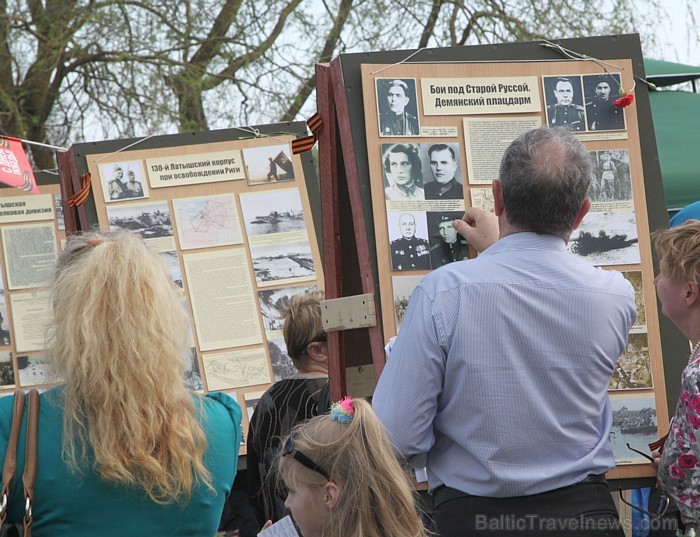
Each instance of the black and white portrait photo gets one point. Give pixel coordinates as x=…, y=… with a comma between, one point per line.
x=123, y=181
x=397, y=106
x=601, y=112
x=442, y=178
x=403, y=177
x=408, y=234
x=446, y=245
x=564, y=99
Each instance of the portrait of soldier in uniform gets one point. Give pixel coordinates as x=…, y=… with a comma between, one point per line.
x=564, y=103
x=601, y=113
x=398, y=109
x=408, y=251
x=446, y=245
x=116, y=186
x=444, y=166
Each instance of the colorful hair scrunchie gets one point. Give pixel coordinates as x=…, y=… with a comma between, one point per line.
x=343, y=411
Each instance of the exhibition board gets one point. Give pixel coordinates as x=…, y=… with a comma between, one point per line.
x=32, y=230
x=232, y=213
x=451, y=113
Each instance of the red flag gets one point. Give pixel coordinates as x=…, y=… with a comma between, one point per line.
x=14, y=167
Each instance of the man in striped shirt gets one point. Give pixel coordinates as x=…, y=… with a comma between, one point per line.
x=499, y=374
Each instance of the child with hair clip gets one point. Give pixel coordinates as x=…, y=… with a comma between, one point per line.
x=343, y=478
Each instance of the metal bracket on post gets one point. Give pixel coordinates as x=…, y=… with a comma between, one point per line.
x=358, y=311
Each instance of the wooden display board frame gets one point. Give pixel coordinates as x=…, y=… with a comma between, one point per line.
x=254, y=225
x=24, y=304
x=350, y=154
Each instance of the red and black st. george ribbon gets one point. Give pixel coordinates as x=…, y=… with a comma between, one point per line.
x=307, y=142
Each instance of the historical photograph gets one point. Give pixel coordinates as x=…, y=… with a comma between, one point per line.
x=446, y=245
x=193, y=378
x=207, y=221
x=150, y=220
x=251, y=401
x=274, y=304
x=564, y=99
x=607, y=238
x=7, y=372
x=635, y=278
x=277, y=211
x=408, y=236
x=34, y=370
x=633, y=369
x=610, y=179
x=601, y=91
x=282, y=365
x=397, y=106
x=268, y=164
x=123, y=181
x=403, y=177
x=272, y=262
x=402, y=286
x=5, y=338
x=442, y=173
x=58, y=206
x=634, y=421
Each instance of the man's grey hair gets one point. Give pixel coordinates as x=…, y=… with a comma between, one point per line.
x=545, y=174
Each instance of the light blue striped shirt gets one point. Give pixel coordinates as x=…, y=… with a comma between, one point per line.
x=501, y=368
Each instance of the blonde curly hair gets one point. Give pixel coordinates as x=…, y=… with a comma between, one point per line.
x=118, y=338
x=679, y=250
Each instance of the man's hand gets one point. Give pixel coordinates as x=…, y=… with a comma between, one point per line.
x=479, y=227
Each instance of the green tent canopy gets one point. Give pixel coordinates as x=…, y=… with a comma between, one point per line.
x=664, y=73
x=676, y=115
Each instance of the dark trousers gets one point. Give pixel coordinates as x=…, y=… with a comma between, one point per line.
x=583, y=510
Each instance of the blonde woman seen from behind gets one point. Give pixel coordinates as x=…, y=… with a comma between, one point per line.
x=124, y=448
x=343, y=478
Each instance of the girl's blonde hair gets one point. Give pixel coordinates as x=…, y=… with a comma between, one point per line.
x=118, y=338
x=376, y=498
x=679, y=248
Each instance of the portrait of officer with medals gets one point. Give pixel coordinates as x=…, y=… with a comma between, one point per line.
x=565, y=102
x=409, y=251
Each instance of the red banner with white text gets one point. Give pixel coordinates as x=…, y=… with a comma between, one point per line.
x=14, y=167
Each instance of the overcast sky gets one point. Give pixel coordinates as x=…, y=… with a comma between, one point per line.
x=677, y=40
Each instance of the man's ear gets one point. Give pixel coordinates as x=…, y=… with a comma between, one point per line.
x=331, y=494
x=498, y=203
x=583, y=211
